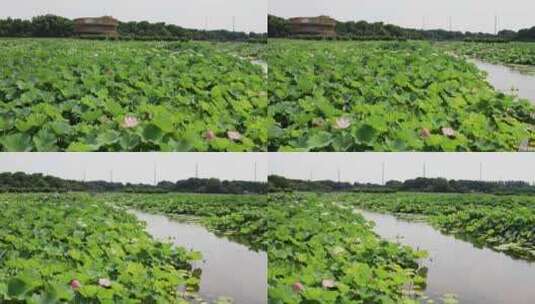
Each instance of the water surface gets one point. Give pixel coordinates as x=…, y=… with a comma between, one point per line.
x=475, y=275
x=229, y=269
x=505, y=78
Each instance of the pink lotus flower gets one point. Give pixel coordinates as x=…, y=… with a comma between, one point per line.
x=106, y=283
x=298, y=287
x=209, y=135
x=425, y=133
x=75, y=284
x=130, y=122
x=233, y=135
x=342, y=123
x=328, y=284
x=448, y=132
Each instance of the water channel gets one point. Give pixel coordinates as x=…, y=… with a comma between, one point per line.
x=504, y=78
x=229, y=269
x=475, y=275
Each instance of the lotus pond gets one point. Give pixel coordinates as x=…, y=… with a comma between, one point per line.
x=520, y=53
x=456, y=269
x=317, y=252
x=72, y=95
x=388, y=96
x=70, y=248
x=462, y=246
x=502, y=223
x=81, y=248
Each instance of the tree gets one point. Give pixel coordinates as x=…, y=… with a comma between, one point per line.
x=52, y=26
x=278, y=27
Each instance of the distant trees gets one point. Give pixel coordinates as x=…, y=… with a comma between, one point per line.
x=213, y=185
x=22, y=182
x=279, y=27
x=15, y=28
x=463, y=186
x=278, y=183
x=507, y=34
x=52, y=26
x=146, y=29
x=526, y=34
x=39, y=26
x=56, y=26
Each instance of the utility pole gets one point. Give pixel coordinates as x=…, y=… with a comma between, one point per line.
x=85, y=174
x=451, y=26
x=423, y=23
x=155, y=175
x=383, y=174
x=255, y=171
x=234, y=23
x=310, y=179
x=495, y=24
x=339, y=175
x=480, y=171
x=206, y=23
x=111, y=176
x=425, y=170
x=196, y=170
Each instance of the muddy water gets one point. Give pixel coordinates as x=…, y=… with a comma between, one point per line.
x=229, y=269
x=505, y=78
x=476, y=276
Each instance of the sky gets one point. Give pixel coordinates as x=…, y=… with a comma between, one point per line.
x=367, y=167
x=200, y=14
x=466, y=15
x=138, y=167
x=354, y=167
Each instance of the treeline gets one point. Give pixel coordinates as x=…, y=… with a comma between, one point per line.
x=461, y=186
x=57, y=26
x=22, y=182
x=282, y=184
x=439, y=185
x=363, y=30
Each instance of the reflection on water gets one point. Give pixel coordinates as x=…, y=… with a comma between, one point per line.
x=228, y=269
x=505, y=78
x=477, y=276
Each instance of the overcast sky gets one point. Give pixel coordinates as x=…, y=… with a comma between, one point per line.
x=216, y=14
x=467, y=15
x=138, y=167
x=367, y=167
